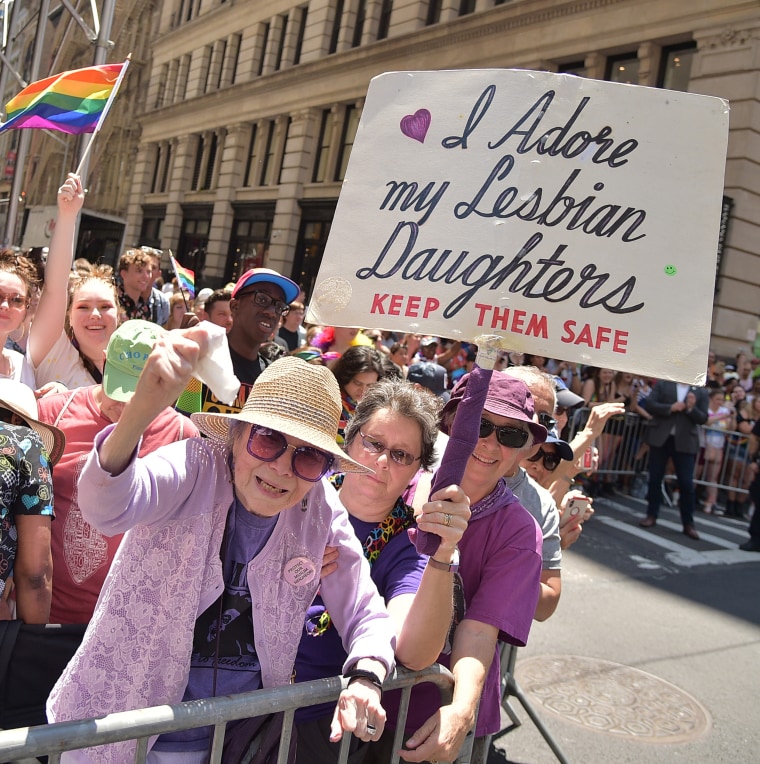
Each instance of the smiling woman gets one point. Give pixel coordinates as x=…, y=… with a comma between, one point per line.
x=18, y=279
x=393, y=432
x=76, y=315
x=235, y=527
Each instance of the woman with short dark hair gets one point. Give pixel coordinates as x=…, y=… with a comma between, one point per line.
x=358, y=368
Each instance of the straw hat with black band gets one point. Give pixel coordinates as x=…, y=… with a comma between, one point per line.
x=296, y=398
x=19, y=399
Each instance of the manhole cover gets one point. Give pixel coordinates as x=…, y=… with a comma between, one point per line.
x=611, y=698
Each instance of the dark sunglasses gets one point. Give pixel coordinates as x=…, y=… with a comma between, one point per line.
x=398, y=455
x=547, y=420
x=560, y=411
x=268, y=445
x=265, y=300
x=511, y=437
x=551, y=460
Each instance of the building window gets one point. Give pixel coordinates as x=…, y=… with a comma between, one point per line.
x=198, y=163
x=675, y=67
x=234, y=55
x=285, y=147
x=161, y=169
x=623, y=69
x=156, y=165
x=210, y=162
x=433, y=12
x=466, y=7
x=207, y=55
x=578, y=68
x=361, y=12
x=253, y=161
x=281, y=44
x=183, y=72
x=267, y=165
x=187, y=11
x=386, y=9
x=249, y=239
x=336, y=27
x=263, y=50
x=219, y=63
x=312, y=238
x=193, y=240
x=205, y=159
x=301, y=34
x=350, y=124
x=152, y=226
x=164, y=183
x=161, y=90
x=323, y=148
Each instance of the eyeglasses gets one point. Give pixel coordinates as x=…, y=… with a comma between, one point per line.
x=551, y=459
x=14, y=300
x=308, y=463
x=547, y=420
x=560, y=411
x=265, y=300
x=511, y=437
x=398, y=455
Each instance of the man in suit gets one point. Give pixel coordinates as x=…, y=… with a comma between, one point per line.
x=678, y=410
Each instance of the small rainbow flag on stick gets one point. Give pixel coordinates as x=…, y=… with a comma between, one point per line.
x=72, y=102
x=185, y=277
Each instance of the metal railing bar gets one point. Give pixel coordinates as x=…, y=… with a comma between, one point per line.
x=147, y=722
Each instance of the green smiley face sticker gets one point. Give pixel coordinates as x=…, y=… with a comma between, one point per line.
x=670, y=270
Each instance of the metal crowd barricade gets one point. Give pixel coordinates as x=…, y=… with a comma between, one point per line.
x=735, y=471
x=622, y=446
x=511, y=689
x=623, y=452
x=141, y=724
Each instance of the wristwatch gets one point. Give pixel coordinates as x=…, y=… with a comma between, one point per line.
x=452, y=567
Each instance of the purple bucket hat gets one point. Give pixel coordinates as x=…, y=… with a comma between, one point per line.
x=507, y=396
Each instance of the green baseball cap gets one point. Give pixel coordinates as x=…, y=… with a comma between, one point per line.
x=126, y=354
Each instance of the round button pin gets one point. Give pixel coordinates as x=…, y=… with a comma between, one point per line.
x=300, y=571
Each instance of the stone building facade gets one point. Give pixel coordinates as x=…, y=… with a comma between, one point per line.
x=248, y=110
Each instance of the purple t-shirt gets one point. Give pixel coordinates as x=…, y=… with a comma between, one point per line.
x=397, y=570
x=499, y=580
x=229, y=625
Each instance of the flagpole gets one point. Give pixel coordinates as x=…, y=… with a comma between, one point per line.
x=104, y=113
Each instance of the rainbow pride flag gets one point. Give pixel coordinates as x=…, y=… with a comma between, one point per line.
x=185, y=277
x=70, y=102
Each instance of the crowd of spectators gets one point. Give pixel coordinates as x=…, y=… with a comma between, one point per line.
x=99, y=398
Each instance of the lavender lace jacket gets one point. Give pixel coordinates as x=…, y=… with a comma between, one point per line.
x=174, y=502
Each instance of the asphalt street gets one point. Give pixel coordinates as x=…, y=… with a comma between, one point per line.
x=653, y=654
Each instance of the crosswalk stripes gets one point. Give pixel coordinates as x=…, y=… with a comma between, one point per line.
x=722, y=534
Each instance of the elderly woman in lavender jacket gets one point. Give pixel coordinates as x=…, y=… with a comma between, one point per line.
x=226, y=536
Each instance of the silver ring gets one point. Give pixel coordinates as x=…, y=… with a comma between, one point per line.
x=371, y=729
x=447, y=519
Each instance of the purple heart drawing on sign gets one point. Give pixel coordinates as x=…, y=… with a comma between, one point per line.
x=416, y=125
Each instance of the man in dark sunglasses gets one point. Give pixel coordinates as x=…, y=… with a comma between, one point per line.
x=260, y=298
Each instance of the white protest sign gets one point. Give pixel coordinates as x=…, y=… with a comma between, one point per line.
x=572, y=218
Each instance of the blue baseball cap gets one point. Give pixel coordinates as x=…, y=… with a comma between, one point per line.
x=290, y=289
x=563, y=447
x=566, y=398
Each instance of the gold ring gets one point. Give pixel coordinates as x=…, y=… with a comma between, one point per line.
x=447, y=519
